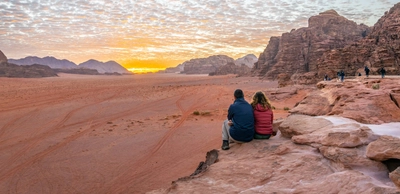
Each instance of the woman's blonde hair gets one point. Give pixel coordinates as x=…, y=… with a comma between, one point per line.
x=260, y=98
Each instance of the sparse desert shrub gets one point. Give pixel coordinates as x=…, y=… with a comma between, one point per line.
x=286, y=108
x=273, y=107
x=196, y=112
x=205, y=113
x=375, y=86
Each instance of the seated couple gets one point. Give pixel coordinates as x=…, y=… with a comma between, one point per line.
x=247, y=121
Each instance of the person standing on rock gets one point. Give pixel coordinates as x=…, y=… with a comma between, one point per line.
x=239, y=127
x=341, y=76
x=383, y=72
x=263, y=116
x=325, y=77
x=366, y=69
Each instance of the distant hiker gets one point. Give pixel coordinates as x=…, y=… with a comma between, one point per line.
x=341, y=76
x=366, y=69
x=263, y=116
x=359, y=74
x=338, y=75
x=325, y=77
x=239, y=127
x=383, y=72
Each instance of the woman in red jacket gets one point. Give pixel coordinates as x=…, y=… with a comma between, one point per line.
x=263, y=116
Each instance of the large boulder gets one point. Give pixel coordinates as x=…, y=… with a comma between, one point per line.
x=395, y=176
x=302, y=124
x=342, y=136
x=386, y=147
x=360, y=100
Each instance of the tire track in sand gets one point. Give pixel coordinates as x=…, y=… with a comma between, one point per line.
x=92, y=125
x=125, y=180
x=34, y=141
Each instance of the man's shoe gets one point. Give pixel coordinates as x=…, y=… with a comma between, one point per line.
x=225, y=145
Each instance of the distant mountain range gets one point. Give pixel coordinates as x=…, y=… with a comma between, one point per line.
x=54, y=63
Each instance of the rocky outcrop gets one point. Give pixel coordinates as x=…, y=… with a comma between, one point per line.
x=48, y=61
x=299, y=50
x=232, y=68
x=176, y=69
x=83, y=71
x=25, y=71
x=356, y=99
x=247, y=60
x=330, y=158
x=3, y=58
x=107, y=67
x=205, y=65
x=379, y=48
x=386, y=147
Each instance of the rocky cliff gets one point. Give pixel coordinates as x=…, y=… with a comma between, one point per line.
x=107, y=67
x=298, y=50
x=205, y=65
x=232, y=68
x=380, y=48
x=3, y=58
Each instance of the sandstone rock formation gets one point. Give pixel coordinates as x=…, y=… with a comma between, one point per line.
x=176, y=69
x=232, y=68
x=247, y=60
x=3, y=58
x=48, y=61
x=386, y=147
x=205, y=65
x=380, y=48
x=107, y=67
x=298, y=51
x=330, y=158
x=355, y=99
x=25, y=71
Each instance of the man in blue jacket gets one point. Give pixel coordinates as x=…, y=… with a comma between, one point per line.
x=239, y=127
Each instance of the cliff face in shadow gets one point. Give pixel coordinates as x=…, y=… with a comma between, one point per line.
x=298, y=50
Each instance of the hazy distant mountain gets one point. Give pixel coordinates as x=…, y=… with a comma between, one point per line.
x=247, y=60
x=48, y=61
x=108, y=67
x=176, y=69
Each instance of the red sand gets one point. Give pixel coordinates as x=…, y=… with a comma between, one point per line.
x=112, y=134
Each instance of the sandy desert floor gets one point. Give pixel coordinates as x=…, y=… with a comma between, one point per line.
x=112, y=134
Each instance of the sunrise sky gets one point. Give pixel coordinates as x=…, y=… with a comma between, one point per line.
x=160, y=33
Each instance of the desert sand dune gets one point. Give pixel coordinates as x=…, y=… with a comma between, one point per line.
x=112, y=134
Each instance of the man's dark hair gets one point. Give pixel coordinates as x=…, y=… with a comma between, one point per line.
x=238, y=93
